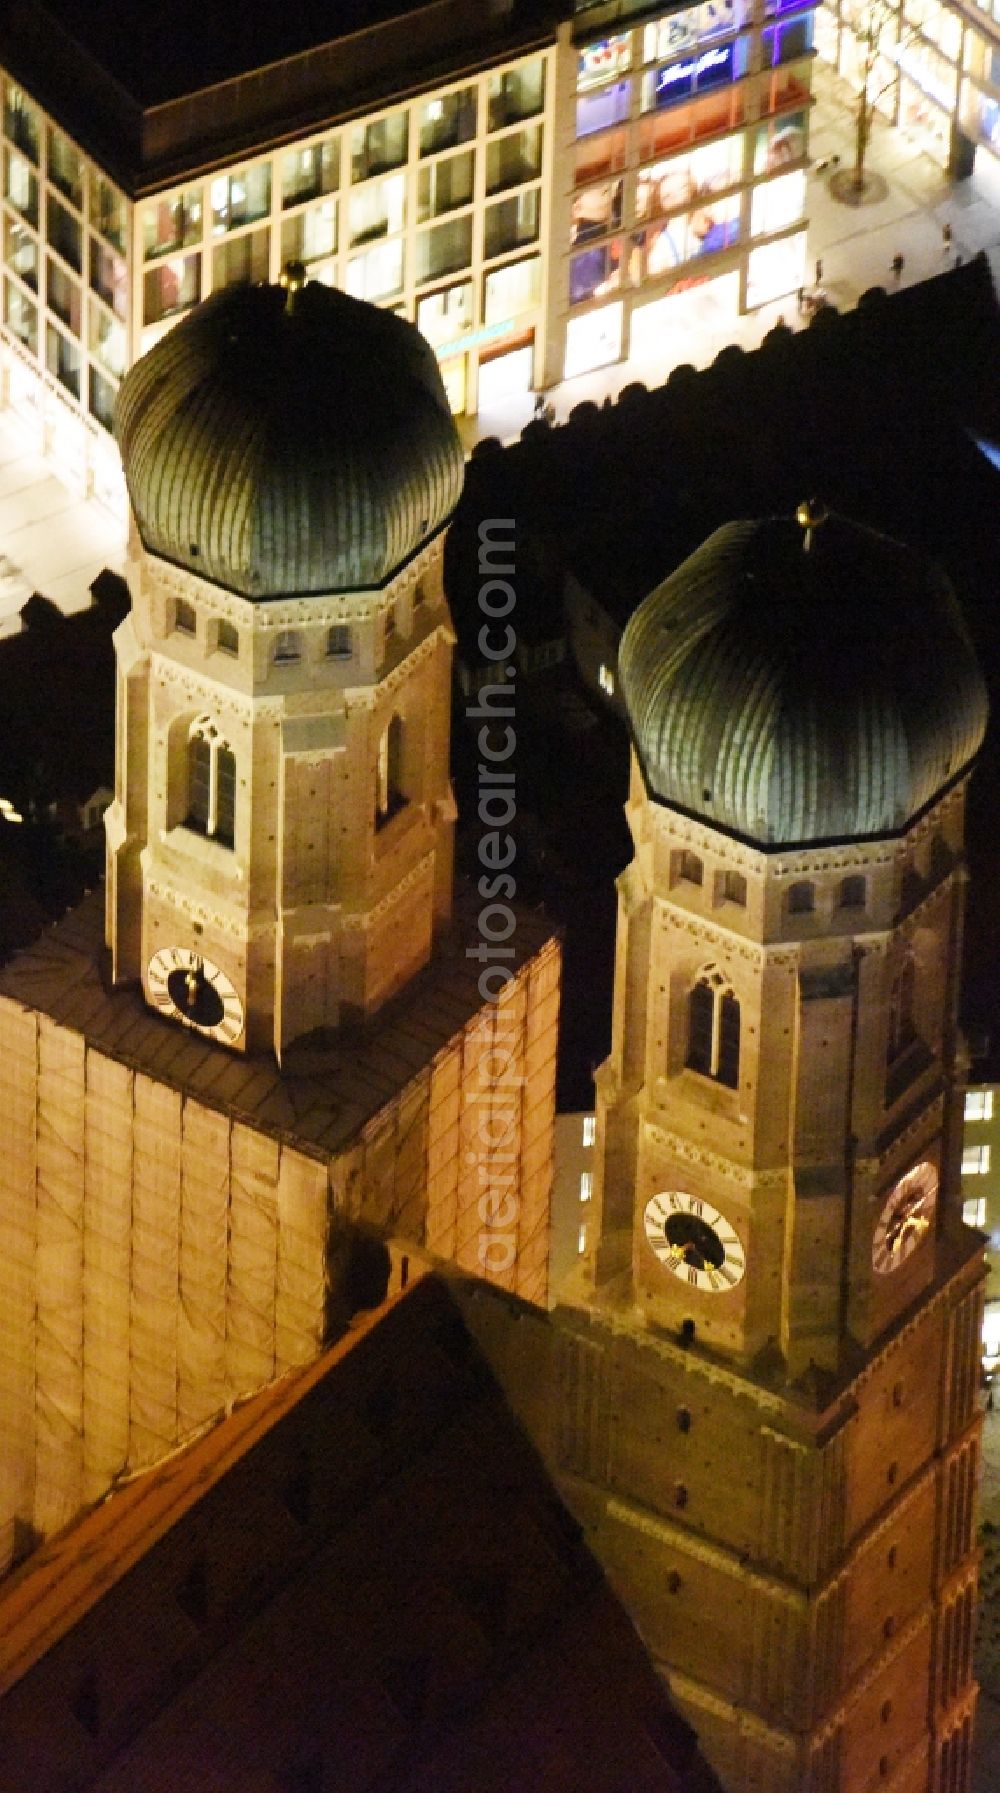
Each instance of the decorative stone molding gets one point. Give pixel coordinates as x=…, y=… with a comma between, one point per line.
x=690, y=1153
x=714, y=1556
x=750, y=1724
x=360, y=923
x=232, y=922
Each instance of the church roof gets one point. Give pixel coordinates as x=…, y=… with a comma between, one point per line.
x=799, y=685
x=282, y=442
x=361, y=1579
x=323, y=1094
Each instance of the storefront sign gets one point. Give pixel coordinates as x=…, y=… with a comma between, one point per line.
x=679, y=79
x=476, y=339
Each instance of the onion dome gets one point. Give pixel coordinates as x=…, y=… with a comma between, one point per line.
x=283, y=440
x=802, y=682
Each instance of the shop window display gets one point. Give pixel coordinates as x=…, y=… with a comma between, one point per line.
x=678, y=81
x=705, y=231
x=594, y=340
x=596, y=272
x=596, y=211
x=784, y=43
x=776, y=269
x=778, y=204
x=599, y=111
x=597, y=156
x=673, y=185
x=697, y=24
x=677, y=126
x=599, y=62
x=780, y=143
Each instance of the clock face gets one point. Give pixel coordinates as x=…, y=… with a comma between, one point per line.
x=694, y=1241
x=906, y=1218
x=190, y=989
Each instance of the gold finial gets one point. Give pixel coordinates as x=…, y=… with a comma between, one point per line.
x=293, y=277
x=811, y=514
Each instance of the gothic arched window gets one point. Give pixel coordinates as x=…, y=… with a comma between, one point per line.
x=211, y=782
x=389, y=795
x=713, y=1045
x=902, y=1028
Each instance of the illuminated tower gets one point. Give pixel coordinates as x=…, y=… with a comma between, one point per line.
x=794, y=1302
x=279, y=847
x=222, y=1150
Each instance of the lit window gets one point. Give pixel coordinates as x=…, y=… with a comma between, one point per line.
x=974, y=1212
x=714, y=1030
x=389, y=796
x=211, y=782
x=902, y=1031
x=589, y=1129
x=975, y=1161
x=586, y=1185
x=979, y=1105
x=606, y=680
x=581, y=1239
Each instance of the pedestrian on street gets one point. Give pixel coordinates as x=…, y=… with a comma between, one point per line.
x=946, y=236
x=898, y=264
x=819, y=272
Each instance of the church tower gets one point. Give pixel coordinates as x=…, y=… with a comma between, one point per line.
x=279, y=846
x=779, y=1250
x=285, y=1083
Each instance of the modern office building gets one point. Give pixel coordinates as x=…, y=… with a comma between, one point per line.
x=541, y=190
x=937, y=71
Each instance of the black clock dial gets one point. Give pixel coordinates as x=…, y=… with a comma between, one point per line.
x=697, y=1243
x=196, y=999
x=694, y=1241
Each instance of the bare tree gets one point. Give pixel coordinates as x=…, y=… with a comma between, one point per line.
x=874, y=34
